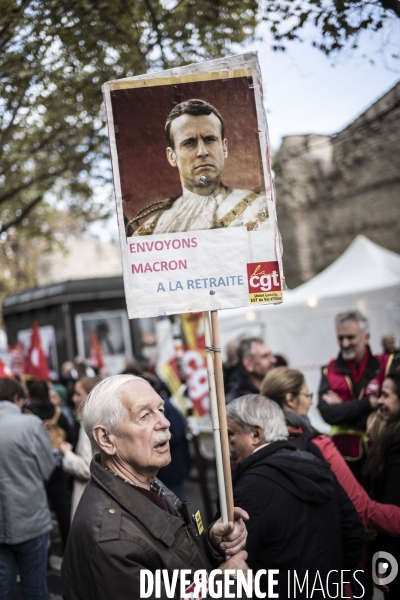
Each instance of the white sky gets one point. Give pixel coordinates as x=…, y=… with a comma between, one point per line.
x=307, y=92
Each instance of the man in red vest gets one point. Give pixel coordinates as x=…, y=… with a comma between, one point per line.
x=350, y=388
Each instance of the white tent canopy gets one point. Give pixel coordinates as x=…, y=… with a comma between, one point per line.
x=366, y=277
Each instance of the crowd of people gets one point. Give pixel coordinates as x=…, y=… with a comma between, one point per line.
x=97, y=453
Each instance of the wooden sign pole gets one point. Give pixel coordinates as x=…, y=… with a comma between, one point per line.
x=218, y=415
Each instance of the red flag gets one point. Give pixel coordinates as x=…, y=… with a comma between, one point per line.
x=96, y=359
x=16, y=354
x=194, y=362
x=5, y=371
x=36, y=363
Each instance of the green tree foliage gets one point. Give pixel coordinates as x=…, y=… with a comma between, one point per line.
x=335, y=24
x=54, y=56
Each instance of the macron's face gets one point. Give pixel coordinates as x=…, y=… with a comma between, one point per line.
x=199, y=150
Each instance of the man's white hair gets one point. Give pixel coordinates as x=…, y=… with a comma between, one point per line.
x=103, y=406
x=352, y=315
x=254, y=409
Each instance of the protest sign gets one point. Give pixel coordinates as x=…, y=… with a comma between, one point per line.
x=193, y=188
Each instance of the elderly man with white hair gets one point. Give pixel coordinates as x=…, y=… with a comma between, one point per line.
x=127, y=521
x=301, y=520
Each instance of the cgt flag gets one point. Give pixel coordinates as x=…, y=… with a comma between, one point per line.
x=5, y=371
x=36, y=363
x=177, y=359
x=194, y=361
x=17, y=361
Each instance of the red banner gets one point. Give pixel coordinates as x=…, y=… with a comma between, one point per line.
x=16, y=363
x=96, y=359
x=5, y=371
x=36, y=363
x=194, y=362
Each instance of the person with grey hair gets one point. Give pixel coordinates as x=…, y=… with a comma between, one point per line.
x=301, y=519
x=127, y=521
x=350, y=387
x=255, y=360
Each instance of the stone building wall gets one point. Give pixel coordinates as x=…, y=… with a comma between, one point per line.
x=331, y=188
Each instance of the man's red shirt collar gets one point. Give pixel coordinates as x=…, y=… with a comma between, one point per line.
x=358, y=370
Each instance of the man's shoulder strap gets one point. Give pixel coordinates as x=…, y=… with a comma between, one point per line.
x=386, y=362
x=237, y=210
x=158, y=206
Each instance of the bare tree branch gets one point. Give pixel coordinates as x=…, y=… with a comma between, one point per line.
x=156, y=26
x=12, y=17
x=23, y=215
x=17, y=190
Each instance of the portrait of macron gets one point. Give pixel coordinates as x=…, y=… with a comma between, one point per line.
x=198, y=149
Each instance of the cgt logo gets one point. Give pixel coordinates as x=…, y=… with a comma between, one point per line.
x=263, y=277
x=264, y=282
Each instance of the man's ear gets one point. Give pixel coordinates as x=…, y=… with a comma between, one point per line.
x=104, y=440
x=247, y=362
x=171, y=157
x=225, y=147
x=257, y=438
x=367, y=336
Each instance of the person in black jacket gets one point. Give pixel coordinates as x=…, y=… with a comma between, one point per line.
x=174, y=474
x=301, y=520
x=58, y=492
x=255, y=360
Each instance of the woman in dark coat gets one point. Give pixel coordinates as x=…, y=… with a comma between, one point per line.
x=289, y=389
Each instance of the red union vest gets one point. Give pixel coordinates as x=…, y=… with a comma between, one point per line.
x=351, y=442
